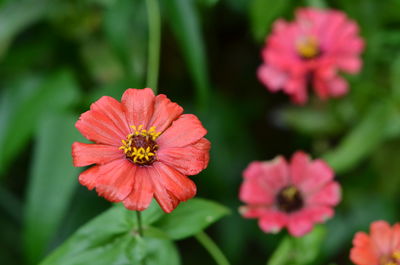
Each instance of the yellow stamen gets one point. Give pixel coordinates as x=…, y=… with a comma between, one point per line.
x=396, y=255
x=307, y=47
x=289, y=192
x=140, y=154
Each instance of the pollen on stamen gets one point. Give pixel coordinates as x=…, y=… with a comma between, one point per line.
x=140, y=146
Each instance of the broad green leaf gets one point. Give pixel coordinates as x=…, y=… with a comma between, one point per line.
x=263, y=13
x=20, y=119
x=52, y=182
x=113, y=236
x=190, y=218
x=184, y=22
x=311, y=121
x=15, y=16
x=362, y=140
x=208, y=3
x=299, y=251
x=125, y=28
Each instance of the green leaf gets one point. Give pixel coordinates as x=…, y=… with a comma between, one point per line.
x=299, y=251
x=184, y=22
x=191, y=217
x=311, y=121
x=362, y=140
x=263, y=13
x=20, y=118
x=52, y=182
x=125, y=29
x=112, y=238
x=15, y=16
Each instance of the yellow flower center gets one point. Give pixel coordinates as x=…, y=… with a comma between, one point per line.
x=140, y=146
x=308, y=47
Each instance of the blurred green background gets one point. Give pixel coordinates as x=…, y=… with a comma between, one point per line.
x=57, y=57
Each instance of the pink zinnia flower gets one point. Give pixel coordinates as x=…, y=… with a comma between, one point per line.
x=144, y=147
x=381, y=247
x=295, y=195
x=310, y=51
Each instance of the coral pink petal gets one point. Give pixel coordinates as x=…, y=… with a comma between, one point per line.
x=138, y=105
x=253, y=211
x=396, y=236
x=189, y=160
x=113, y=109
x=255, y=189
x=180, y=185
x=142, y=192
x=299, y=166
x=337, y=87
x=381, y=234
x=318, y=213
x=165, y=112
x=187, y=129
x=350, y=64
x=313, y=177
x=98, y=128
x=273, y=78
x=89, y=177
x=300, y=223
x=87, y=154
x=115, y=181
x=363, y=252
x=328, y=195
x=271, y=176
x=272, y=221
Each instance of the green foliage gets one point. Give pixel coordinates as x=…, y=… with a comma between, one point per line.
x=52, y=181
x=190, y=218
x=299, y=251
x=113, y=236
x=263, y=13
x=27, y=102
x=185, y=23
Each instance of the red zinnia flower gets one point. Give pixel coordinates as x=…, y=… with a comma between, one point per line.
x=310, y=51
x=144, y=146
x=294, y=195
x=381, y=247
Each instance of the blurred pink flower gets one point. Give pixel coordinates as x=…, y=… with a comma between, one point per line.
x=295, y=195
x=381, y=247
x=309, y=52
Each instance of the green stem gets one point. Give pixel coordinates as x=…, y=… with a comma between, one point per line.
x=139, y=221
x=317, y=3
x=154, y=22
x=212, y=248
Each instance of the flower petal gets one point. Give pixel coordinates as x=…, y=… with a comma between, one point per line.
x=300, y=223
x=309, y=176
x=170, y=186
x=113, y=109
x=115, y=181
x=273, y=78
x=138, y=105
x=381, y=234
x=272, y=221
x=363, y=252
x=189, y=160
x=142, y=193
x=89, y=177
x=98, y=128
x=187, y=129
x=165, y=112
x=87, y=154
x=328, y=195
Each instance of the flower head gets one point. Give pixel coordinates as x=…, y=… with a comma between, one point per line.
x=295, y=195
x=309, y=52
x=143, y=147
x=381, y=247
